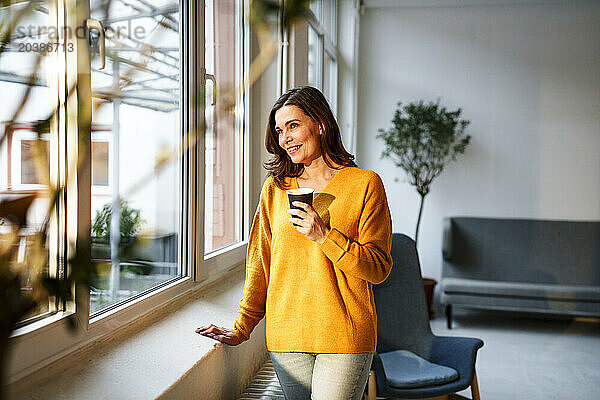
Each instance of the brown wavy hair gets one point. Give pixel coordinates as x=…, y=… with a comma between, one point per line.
x=312, y=102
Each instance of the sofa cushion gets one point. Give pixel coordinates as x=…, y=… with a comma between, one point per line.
x=523, y=290
x=522, y=250
x=405, y=369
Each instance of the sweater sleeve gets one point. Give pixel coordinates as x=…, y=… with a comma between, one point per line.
x=258, y=260
x=368, y=258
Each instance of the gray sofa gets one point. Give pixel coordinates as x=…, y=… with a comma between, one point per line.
x=525, y=265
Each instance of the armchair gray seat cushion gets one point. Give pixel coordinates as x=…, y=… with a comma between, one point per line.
x=405, y=369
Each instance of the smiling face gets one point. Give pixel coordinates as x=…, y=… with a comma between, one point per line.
x=294, y=128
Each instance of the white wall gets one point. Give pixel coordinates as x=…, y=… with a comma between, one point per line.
x=527, y=77
x=263, y=94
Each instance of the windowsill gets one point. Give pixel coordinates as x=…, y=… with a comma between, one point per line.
x=38, y=345
x=162, y=358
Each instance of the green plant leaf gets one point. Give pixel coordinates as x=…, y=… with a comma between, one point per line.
x=423, y=138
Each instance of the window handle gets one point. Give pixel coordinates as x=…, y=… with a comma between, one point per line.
x=211, y=77
x=97, y=25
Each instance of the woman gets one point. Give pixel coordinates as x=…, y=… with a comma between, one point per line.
x=313, y=281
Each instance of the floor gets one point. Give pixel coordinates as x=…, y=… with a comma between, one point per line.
x=524, y=357
x=531, y=357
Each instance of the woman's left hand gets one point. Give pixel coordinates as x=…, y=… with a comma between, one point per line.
x=311, y=224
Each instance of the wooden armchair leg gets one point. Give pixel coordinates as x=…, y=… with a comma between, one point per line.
x=371, y=387
x=475, y=388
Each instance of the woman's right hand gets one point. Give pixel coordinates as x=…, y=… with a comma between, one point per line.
x=221, y=334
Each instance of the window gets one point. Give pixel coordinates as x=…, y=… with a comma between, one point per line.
x=330, y=79
x=136, y=97
x=19, y=177
x=322, y=49
x=315, y=53
x=223, y=157
x=149, y=241
x=100, y=160
x=21, y=174
x=20, y=170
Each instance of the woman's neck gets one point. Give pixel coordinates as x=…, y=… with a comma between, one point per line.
x=317, y=170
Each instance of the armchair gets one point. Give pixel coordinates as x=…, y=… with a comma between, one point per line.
x=410, y=361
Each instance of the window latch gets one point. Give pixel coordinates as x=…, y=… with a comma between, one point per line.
x=93, y=24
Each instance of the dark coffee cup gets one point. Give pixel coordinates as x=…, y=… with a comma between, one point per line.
x=304, y=195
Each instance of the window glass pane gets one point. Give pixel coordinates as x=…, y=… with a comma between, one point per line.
x=329, y=81
x=19, y=176
x=328, y=20
x=313, y=57
x=135, y=209
x=222, y=137
x=316, y=7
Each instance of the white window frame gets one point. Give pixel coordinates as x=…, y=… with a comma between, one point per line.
x=43, y=342
x=213, y=266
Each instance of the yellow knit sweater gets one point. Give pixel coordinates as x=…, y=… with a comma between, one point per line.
x=318, y=298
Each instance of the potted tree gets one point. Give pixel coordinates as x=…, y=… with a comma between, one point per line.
x=423, y=138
